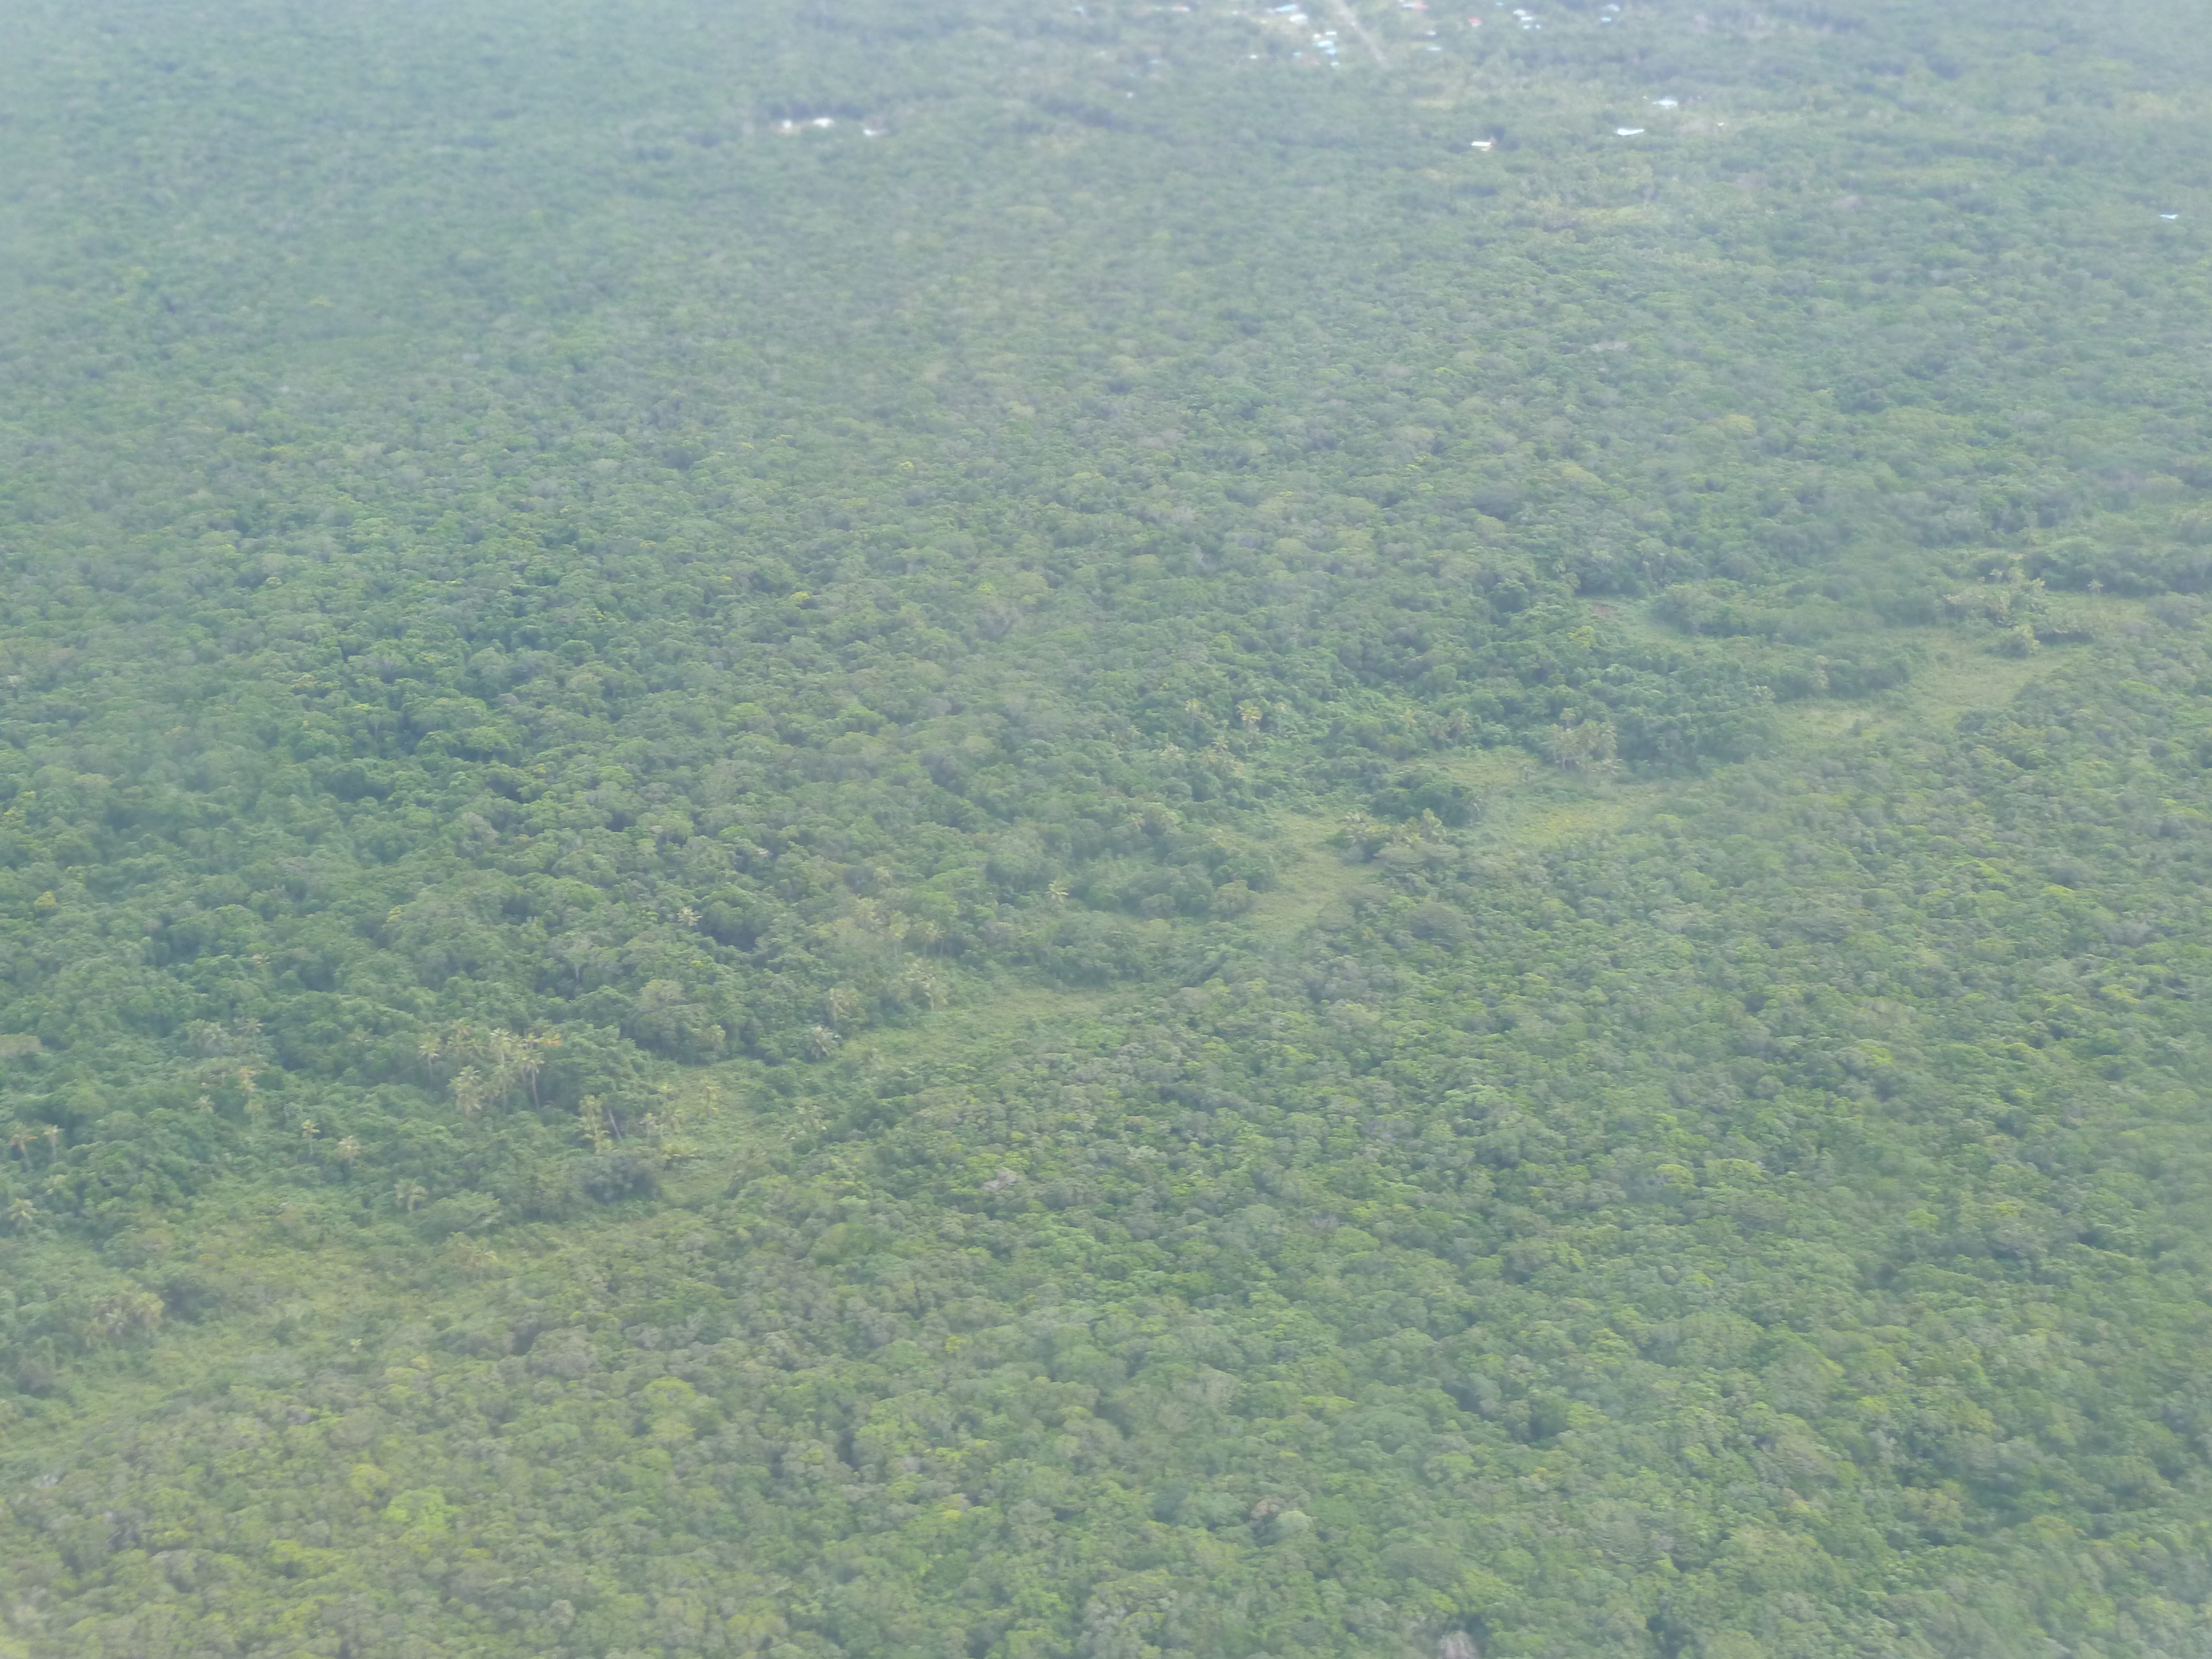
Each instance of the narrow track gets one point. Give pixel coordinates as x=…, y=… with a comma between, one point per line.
x=1350, y=19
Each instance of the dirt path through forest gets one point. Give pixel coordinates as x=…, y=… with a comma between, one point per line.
x=1350, y=19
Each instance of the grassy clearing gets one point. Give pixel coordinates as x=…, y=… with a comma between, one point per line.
x=1957, y=672
x=1311, y=874
x=1529, y=806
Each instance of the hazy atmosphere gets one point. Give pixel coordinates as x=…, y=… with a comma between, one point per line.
x=1013, y=830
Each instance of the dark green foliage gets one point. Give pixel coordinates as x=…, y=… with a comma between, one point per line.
x=1008, y=829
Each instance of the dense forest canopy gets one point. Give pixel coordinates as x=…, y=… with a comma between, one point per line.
x=1083, y=831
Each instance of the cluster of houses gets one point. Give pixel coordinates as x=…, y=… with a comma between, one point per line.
x=1324, y=42
x=824, y=122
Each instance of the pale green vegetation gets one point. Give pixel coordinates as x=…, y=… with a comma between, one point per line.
x=1095, y=832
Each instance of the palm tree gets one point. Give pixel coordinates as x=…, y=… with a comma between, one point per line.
x=502, y=1049
x=530, y=1058
x=592, y=1115
x=468, y=1089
